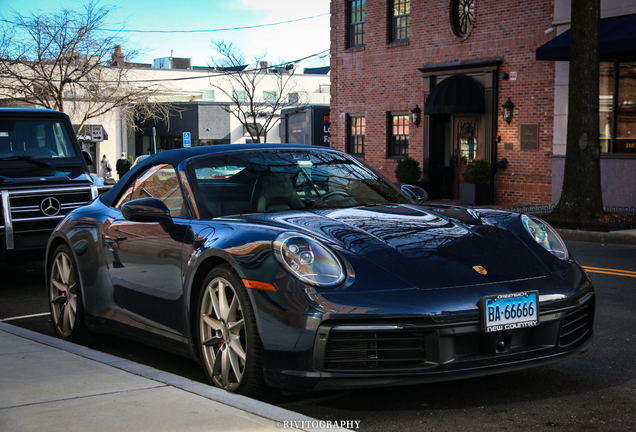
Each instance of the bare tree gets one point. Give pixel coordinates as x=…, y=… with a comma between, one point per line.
x=582, y=192
x=257, y=94
x=64, y=61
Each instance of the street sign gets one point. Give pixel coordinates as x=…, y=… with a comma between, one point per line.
x=97, y=133
x=186, y=139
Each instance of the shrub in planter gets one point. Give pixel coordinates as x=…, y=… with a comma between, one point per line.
x=408, y=170
x=477, y=172
x=477, y=190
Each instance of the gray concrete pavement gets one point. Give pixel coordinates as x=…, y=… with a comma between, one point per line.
x=53, y=385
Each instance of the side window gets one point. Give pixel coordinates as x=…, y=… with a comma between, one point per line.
x=356, y=17
x=159, y=182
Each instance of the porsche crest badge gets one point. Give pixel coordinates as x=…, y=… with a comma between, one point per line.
x=480, y=270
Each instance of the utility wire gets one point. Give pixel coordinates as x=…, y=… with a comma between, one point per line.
x=216, y=30
x=218, y=73
x=197, y=31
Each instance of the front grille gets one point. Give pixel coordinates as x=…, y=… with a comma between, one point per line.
x=577, y=323
x=27, y=206
x=350, y=350
x=29, y=215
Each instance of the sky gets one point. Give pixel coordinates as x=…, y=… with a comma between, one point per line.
x=285, y=42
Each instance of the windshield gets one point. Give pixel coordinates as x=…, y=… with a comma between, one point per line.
x=267, y=181
x=36, y=139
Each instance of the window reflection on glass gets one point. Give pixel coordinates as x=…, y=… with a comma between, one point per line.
x=617, y=111
x=606, y=104
x=356, y=135
x=399, y=144
x=401, y=22
x=467, y=142
x=357, y=17
x=626, y=108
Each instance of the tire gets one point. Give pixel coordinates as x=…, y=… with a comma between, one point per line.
x=227, y=336
x=65, y=297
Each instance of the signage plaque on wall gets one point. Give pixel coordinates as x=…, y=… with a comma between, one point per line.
x=529, y=136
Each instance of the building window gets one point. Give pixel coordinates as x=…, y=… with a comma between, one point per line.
x=355, y=135
x=462, y=16
x=238, y=96
x=398, y=135
x=617, y=108
x=269, y=96
x=293, y=98
x=356, y=17
x=400, y=20
x=208, y=95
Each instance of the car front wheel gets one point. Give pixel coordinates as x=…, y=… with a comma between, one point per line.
x=229, y=344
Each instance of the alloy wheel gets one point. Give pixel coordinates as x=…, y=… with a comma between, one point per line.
x=222, y=333
x=63, y=294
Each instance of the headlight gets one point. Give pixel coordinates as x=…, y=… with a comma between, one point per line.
x=308, y=260
x=546, y=236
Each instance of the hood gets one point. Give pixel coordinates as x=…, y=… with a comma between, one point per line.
x=41, y=176
x=424, y=248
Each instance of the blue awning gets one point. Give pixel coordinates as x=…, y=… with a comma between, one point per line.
x=618, y=37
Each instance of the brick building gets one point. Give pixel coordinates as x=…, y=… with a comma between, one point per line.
x=459, y=61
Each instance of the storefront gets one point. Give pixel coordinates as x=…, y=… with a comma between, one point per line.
x=617, y=106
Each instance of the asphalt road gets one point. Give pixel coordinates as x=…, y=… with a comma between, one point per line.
x=595, y=391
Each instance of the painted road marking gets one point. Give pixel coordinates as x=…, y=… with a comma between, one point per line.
x=615, y=272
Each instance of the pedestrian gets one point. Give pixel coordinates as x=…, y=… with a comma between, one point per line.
x=122, y=165
x=105, y=169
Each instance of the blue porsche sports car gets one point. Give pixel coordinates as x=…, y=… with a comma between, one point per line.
x=300, y=268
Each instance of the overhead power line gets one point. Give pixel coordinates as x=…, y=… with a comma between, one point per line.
x=215, y=30
x=213, y=74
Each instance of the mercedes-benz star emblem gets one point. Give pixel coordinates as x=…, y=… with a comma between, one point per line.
x=50, y=206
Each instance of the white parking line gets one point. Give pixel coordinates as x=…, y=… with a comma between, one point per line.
x=25, y=316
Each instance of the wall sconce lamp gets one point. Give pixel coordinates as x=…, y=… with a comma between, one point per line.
x=508, y=106
x=416, y=115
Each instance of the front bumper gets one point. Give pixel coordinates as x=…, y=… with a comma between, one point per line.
x=357, y=354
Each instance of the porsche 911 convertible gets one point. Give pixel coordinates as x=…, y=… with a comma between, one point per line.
x=300, y=268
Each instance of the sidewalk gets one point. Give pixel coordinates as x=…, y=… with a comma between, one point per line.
x=53, y=385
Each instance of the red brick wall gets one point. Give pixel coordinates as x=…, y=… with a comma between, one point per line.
x=380, y=78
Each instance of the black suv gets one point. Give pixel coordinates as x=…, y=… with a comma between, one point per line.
x=43, y=176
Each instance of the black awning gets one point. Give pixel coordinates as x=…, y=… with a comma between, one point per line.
x=618, y=36
x=458, y=94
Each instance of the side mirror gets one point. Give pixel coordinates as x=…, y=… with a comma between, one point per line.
x=148, y=210
x=415, y=192
x=88, y=158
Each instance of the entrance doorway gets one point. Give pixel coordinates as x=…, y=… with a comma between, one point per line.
x=466, y=146
x=455, y=141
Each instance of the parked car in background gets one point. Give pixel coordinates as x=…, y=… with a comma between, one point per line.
x=43, y=176
x=301, y=268
x=139, y=159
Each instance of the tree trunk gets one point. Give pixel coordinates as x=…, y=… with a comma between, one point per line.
x=582, y=193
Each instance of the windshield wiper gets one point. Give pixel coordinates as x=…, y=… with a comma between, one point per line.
x=26, y=158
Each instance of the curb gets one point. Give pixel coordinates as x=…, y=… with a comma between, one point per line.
x=261, y=409
x=615, y=237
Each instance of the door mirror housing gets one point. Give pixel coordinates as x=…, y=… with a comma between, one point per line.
x=415, y=192
x=148, y=210
x=88, y=158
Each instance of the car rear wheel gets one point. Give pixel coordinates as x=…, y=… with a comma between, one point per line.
x=65, y=297
x=229, y=344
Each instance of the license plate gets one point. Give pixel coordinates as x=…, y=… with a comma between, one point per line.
x=510, y=311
